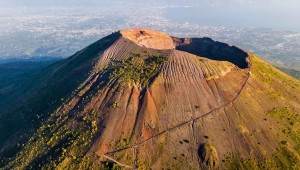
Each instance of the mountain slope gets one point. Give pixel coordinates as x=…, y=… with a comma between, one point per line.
x=143, y=99
x=34, y=99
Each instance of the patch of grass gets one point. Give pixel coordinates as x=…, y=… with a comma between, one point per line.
x=40, y=93
x=112, y=166
x=201, y=60
x=121, y=143
x=286, y=156
x=290, y=71
x=142, y=165
x=181, y=162
x=115, y=105
x=57, y=140
x=234, y=162
x=138, y=69
x=290, y=119
x=208, y=76
x=282, y=159
x=268, y=73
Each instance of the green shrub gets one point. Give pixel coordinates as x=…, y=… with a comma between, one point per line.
x=138, y=69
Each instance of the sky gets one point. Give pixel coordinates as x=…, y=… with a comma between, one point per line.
x=277, y=14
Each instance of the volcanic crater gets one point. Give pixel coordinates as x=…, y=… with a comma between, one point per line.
x=142, y=99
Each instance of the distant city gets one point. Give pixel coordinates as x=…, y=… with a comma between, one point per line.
x=60, y=32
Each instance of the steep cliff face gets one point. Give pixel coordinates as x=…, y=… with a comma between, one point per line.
x=150, y=100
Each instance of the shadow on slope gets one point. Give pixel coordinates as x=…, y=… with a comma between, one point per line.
x=27, y=107
x=206, y=47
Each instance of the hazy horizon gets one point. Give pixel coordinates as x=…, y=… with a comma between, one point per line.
x=39, y=28
x=275, y=14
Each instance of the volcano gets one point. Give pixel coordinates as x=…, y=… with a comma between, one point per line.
x=141, y=99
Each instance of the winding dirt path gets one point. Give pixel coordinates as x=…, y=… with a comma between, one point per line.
x=181, y=124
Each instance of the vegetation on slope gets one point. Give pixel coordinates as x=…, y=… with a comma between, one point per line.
x=62, y=141
x=87, y=101
x=292, y=72
x=138, y=69
x=65, y=138
x=287, y=151
x=26, y=108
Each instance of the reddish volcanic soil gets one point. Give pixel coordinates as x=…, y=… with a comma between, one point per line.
x=174, y=103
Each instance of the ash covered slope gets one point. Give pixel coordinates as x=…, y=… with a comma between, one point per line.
x=155, y=101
